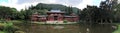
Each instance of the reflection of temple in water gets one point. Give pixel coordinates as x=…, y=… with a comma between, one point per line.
x=99, y=28
x=54, y=16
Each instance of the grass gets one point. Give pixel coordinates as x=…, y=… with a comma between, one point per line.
x=2, y=32
x=7, y=27
x=15, y=21
x=118, y=30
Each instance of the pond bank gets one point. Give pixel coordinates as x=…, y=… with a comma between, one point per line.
x=118, y=30
x=68, y=27
x=54, y=23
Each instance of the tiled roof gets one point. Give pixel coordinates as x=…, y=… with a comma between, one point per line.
x=42, y=16
x=55, y=11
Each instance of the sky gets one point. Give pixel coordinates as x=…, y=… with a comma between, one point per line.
x=22, y=4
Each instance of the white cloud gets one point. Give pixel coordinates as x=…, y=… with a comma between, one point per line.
x=14, y=3
x=118, y=1
x=84, y=3
x=89, y=2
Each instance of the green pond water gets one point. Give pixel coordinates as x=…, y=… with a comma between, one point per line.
x=75, y=28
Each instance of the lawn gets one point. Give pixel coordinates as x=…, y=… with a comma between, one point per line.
x=118, y=30
x=2, y=32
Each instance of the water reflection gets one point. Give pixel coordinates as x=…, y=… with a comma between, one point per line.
x=82, y=28
x=58, y=27
x=97, y=28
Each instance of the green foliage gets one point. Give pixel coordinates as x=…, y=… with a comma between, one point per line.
x=2, y=32
x=65, y=21
x=5, y=11
x=94, y=14
x=8, y=27
x=49, y=7
x=19, y=32
x=118, y=30
x=116, y=10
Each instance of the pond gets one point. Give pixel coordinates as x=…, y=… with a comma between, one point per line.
x=75, y=28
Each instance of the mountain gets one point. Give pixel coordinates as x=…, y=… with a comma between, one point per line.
x=49, y=7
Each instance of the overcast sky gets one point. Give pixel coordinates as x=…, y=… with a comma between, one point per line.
x=22, y=4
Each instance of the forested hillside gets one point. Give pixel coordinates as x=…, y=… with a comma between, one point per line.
x=49, y=7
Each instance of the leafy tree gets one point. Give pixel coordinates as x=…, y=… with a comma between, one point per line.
x=7, y=12
x=93, y=14
x=116, y=10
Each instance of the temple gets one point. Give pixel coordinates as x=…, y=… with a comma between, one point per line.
x=54, y=16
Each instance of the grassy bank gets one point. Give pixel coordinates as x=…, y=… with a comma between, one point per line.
x=2, y=32
x=118, y=30
x=8, y=27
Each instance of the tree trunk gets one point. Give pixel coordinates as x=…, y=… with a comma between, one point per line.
x=101, y=21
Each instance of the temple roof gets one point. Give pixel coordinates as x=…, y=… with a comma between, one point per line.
x=55, y=11
x=42, y=15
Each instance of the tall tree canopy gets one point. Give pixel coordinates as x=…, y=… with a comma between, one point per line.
x=6, y=12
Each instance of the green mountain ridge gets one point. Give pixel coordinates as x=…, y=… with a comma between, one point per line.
x=49, y=7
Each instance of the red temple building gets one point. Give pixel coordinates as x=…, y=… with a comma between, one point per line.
x=54, y=16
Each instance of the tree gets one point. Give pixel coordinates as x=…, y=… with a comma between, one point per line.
x=89, y=14
x=116, y=10
x=41, y=6
x=93, y=14
x=69, y=10
x=6, y=12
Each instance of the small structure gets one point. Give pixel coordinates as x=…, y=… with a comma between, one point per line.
x=54, y=16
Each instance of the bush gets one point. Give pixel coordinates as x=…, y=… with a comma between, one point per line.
x=2, y=32
x=118, y=30
x=65, y=21
x=19, y=32
x=9, y=27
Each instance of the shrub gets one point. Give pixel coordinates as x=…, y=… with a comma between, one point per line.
x=65, y=21
x=9, y=27
x=2, y=32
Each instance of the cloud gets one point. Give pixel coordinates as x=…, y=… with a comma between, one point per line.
x=13, y=3
x=118, y=1
x=22, y=4
x=69, y=2
x=32, y=1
